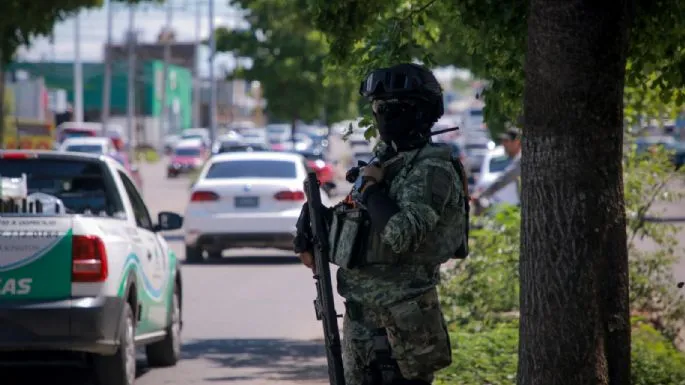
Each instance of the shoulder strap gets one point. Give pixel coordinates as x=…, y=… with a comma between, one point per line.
x=463, y=250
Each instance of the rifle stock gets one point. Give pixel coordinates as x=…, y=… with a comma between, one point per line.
x=323, y=304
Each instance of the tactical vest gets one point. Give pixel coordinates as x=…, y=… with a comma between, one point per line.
x=354, y=243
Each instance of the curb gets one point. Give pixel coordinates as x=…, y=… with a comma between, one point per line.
x=664, y=219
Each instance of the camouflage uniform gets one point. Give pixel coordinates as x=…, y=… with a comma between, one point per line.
x=402, y=297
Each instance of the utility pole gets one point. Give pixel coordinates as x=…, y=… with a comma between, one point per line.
x=78, y=72
x=107, y=81
x=131, y=108
x=197, y=82
x=212, y=81
x=164, y=121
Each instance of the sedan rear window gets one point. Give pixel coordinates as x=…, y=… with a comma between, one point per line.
x=88, y=148
x=84, y=187
x=252, y=169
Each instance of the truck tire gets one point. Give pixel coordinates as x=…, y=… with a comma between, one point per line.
x=167, y=352
x=194, y=254
x=120, y=368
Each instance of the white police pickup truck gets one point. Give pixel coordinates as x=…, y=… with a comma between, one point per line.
x=84, y=272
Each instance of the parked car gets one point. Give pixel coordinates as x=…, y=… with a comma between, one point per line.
x=98, y=279
x=90, y=145
x=189, y=155
x=245, y=199
x=494, y=163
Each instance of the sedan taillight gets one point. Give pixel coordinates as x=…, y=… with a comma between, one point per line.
x=204, y=196
x=288, y=195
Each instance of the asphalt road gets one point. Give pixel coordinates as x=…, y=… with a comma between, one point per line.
x=249, y=319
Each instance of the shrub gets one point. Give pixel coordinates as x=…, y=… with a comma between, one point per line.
x=485, y=285
x=490, y=357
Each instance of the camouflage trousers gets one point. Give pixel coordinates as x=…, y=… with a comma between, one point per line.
x=416, y=331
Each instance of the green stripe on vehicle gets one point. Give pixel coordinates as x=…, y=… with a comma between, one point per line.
x=44, y=274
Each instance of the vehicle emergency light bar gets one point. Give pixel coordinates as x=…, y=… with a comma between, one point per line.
x=25, y=206
x=14, y=198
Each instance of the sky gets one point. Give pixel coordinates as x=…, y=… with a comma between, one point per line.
x=149, y=20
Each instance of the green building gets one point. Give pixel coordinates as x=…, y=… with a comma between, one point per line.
x=148, y=88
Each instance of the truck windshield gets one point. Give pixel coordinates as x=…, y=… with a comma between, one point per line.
x=83, y=186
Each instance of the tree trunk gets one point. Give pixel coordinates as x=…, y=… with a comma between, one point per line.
x=575, y=325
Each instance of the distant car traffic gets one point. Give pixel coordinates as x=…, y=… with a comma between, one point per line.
x=245, y=199
x=255, y=136
x=198, y=133
x=188, y=155
x=240, y=147
x=115, y=132
x=277, y=134
x=89, y=145
x=170, y=142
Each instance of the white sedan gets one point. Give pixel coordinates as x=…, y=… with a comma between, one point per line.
x=245, y=199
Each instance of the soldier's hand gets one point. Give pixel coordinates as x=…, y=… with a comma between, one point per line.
x=373, y=171
x=307, y=259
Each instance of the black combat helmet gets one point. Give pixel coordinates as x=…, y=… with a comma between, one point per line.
x=406, y=100
x=406, y=81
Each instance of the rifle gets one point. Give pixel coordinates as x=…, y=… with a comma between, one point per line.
x=323, y=304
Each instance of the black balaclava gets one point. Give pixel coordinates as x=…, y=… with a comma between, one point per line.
x=401, y=125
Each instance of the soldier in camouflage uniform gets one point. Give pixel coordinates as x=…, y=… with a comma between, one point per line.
x=394, y=331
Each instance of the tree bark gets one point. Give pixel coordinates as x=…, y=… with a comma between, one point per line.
x=575, y=325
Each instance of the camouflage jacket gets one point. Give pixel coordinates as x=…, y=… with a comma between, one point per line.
x=426, y=187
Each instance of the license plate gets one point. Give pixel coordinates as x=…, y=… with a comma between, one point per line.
x=246, y=202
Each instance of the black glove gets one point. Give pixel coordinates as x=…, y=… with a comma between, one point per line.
x=303, y=236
